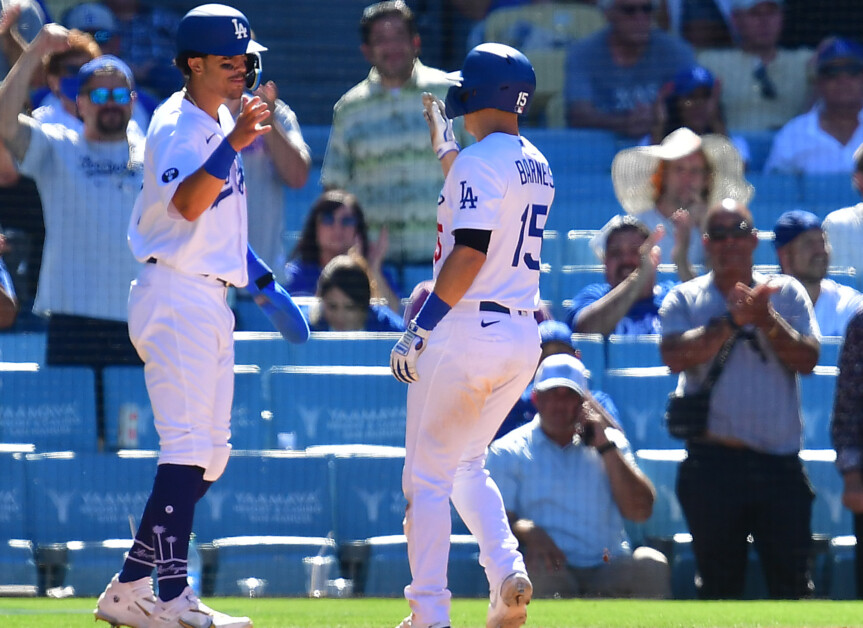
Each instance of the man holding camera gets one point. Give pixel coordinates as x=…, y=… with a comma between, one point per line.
x=742, y=475
x=568, y=480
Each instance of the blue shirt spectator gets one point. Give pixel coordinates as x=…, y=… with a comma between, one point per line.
x=641, y=318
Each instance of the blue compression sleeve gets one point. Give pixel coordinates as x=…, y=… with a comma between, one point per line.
x=274, y=300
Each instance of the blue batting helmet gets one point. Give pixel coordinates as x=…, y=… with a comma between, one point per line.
x=216, y=29
x=493, y=76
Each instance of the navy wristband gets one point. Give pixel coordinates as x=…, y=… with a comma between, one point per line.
x=219, y=163
x=431, y=312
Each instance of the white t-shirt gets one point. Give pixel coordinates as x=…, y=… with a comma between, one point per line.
x=87, y=191
x=501, y=184
x=844, y=229
x=180, y=139
x=836, y=305
x=802, y=146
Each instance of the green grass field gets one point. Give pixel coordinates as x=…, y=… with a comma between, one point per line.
x=386, y=613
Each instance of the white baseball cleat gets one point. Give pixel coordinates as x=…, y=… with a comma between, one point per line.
x=187, y=611
x=126, y=603
x=508, y=606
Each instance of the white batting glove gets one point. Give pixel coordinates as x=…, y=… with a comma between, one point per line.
x=403, y=357
x=440, y=127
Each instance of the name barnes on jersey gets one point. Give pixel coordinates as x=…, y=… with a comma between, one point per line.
x=532, y=171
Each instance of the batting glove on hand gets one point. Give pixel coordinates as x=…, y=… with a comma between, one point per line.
x=440, y=127
x=403, y=358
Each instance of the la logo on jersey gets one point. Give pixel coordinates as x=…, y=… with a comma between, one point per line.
x=468, y=200
x=240, y=29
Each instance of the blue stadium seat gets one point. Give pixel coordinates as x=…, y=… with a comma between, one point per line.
x=23, y=347
x=628, y=351
x=388, y=571
x=574, y=151
x=251, y=427
x=829, y=517
x=774, y=194
x=126, y=397
x=271, y=493
x=760, y=143
x=345, y=348
x=822, y=193
x=583, y=200
x=553, y=243
x=831, y=346
x=843, y=574
x=299, y=201
x=816, y=403
x=248, y=316
x=577, y=251
x=412, y=274
x=592, y=353
x=17, y=563
x=338, y=405
x=660, y=465
x=52, y=407
x=265, y=514
x=846, y=275
x=262, y=349
x=765, y=252
x=86, y=502
x=640, y=394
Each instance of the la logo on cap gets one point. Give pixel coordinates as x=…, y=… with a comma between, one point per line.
x=240, y=29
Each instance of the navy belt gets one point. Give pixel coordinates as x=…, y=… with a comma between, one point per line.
x=153, y=260
x=491, y=306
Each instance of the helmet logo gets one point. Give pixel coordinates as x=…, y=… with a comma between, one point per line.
x=240, y=29
x=521, y=102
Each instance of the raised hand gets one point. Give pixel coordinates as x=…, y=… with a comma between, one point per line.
x=248, y=125
x=440, y=126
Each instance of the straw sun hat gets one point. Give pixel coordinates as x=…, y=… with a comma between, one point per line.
x=633, y=168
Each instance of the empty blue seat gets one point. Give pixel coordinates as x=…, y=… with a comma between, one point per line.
x=660, y=465
x=128, y=404
x=52, y=407
x=271, y=493
x=765, y=252
x=263, y=349
x=829, y=516
x=87, y=503
x=412, y=274
x=23, y=347
x=824, y=192
x=816, y=403
x=583, y=200
x=843, y=573
x=250, y=317
x=299, y=201
x=846, y=275
x=338, y=405
x=552, y=248
x=830, y=349
x=575, y=150
x=640, y=394
x=17, y=564
x=591, y=348
x=251, y=426
x=775, y=194
x=629, y=351
x=360, y=348
x=577, y=251
x=760, y=143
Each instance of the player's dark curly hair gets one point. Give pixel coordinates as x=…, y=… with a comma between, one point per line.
x=307, y=249
x=380, y=10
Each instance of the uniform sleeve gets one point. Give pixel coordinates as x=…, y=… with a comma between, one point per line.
x=176, y=153
x=479, y=191
x=674, y=313
x=336, y=169
x=588, y=295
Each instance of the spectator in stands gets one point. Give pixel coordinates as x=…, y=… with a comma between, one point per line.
x=743, y=476
x=146, y=38
x=846, y=430
x=691, y=100
x=684, y=172
x=703, y=23
x=844, y=227
x=804, y=253
x=336, y=225
x=88, y=183
x=763, y=85
x=824, y=139
x=271, y=162
x=554, y=337
x=613, y=77
x=98, y=21
x=8, y=299
x=345, y=293
x=628, y=302
x=378, y=127
x=569, y=480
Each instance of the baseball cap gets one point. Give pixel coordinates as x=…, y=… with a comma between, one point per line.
x=93, y=18
x=554, y=331
x=689, y=79
x=745, y=5
x=791, y=224
x=216, y=29
x=103, y=63
x=840, y=49
x=561, y=370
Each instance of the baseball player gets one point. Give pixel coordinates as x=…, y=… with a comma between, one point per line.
x=473, y=346
x=188, y=228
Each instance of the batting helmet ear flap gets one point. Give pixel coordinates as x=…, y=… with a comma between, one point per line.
x=253, y=70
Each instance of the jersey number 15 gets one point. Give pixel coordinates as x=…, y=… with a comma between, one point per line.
x=533, y=231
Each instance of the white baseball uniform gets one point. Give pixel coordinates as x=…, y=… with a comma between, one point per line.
x=478, y=360
x=179, y=320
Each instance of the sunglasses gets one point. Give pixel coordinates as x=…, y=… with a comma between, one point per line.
x=737, y=232
x=833, y=71
x=101, y=95
x=101, y=36
x=631, y=9
x=345, y=221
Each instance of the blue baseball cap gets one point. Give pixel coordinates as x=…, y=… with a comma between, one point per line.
x=689, y=79
x=216, y=29
x=561, y=370
x=840, y=49
x=791, y=224
x=555, y=331
x=105, y=62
